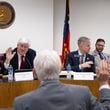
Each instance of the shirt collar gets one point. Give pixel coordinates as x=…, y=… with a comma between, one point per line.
x=19, y=56
x=81, y=53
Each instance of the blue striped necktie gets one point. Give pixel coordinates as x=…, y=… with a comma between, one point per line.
x=101, y=56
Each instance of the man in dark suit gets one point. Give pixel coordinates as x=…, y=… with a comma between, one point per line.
x=53, y=95
x=21, y=57
x=80, y=60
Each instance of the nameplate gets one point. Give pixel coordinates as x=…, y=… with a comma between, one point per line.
x=84, y=76
x=22, y=76
x=64, y=73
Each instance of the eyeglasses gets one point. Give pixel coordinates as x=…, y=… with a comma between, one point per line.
x=100, y=45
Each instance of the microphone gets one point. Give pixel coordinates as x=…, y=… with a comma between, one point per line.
x=33, y=70
x=29, y=63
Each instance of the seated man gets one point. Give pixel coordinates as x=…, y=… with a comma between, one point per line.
x=3, y=71
x=54, y=95
x=80, y=60
x=21, y=57
x=98, y=52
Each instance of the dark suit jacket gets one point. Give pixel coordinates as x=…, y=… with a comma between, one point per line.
x=73, y=60
x=30, y=55
x=53, y=95
x=2, y=68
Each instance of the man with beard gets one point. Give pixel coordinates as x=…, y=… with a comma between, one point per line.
x=98, y=52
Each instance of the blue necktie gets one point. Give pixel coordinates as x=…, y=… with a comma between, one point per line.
x=101, y=56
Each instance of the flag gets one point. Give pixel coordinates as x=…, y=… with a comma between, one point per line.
x=66, y=35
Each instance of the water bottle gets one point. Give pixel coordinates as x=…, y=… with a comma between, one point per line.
x=10, y=73
x=68, y=68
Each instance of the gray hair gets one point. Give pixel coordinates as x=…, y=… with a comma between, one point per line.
x=47, y=65
x=23, y=40
x=83, y=39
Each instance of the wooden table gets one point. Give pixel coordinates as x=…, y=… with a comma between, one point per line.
x=9, y=90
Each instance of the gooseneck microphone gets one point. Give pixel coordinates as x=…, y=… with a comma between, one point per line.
x=28, y=62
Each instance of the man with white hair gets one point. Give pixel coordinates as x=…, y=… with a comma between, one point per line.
x=21, y=57
x=54, y=95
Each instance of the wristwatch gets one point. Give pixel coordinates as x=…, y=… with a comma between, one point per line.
x=7, y=14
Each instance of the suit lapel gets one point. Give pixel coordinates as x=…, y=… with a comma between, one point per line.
x=15, y=61
x=76, y=57
x=87, y=57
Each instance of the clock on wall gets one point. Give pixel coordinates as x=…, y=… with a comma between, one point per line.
x=7, y=14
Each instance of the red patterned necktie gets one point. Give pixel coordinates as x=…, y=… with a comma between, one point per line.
x=22, y=62
x=81, y=59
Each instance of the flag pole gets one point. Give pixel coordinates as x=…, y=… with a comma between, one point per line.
x=66, y=35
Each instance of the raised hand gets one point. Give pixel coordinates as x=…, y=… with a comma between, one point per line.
x=9, y=55
x=86, y=64
x=103, y=72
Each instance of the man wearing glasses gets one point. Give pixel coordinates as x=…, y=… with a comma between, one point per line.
x=98, y=52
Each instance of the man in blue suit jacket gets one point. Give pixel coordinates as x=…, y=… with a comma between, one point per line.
x=74, y=58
